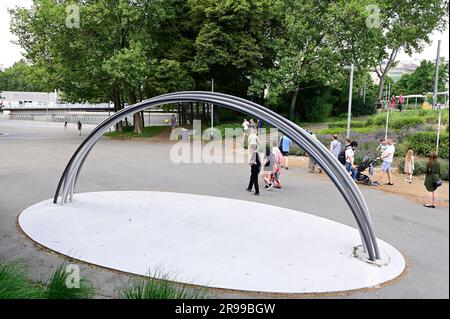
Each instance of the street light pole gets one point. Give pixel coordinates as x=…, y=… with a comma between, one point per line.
x=364, y=89
x=212, y=111
x=350, y=94
x=436, y=80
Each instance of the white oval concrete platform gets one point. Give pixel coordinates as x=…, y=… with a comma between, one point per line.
x=212, y=241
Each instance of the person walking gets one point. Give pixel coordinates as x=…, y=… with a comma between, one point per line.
x=278, y=161
x=253, y=141
x=259, y=125
x=252, y=125
x=335, y=146
x=401, y=100
x=393, y=102
x=311, y=162
x=173, y=122
x=378, y=106
x=350, y=159
x=432, y=181
x=255, y=168
x=388, y=157
x=79, y=127
x=285, y=146
x=65, y=124
x=245, y=126
x=268, y=170
x=409, y=165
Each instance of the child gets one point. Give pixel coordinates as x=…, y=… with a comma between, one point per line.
x=268, y=168
x=409, y=165
x=382, y=146
x=275, y=177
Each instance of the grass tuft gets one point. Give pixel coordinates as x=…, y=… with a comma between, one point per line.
x=14, y=283
x=159, y=287
x=57, y=287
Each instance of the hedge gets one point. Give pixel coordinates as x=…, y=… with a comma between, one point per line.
x=423, y=143
x=420, y=167
x=343, y=124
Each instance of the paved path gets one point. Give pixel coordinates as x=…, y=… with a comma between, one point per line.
x=33, y=156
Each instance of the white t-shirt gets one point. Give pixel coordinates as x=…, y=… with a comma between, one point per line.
x=253, y=139
x=245, y=125
x=391, y=150
x=349, y=153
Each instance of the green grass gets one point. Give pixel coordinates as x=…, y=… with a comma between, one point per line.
x=14, y=283
x=57, y=288
x=339, y=130
x=128, y=133
x=159, y=287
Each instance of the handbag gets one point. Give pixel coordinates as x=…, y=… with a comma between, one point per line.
x=437, y=183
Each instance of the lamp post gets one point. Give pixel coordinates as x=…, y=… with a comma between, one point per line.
x=212, y=110
x=350, y=94
x=436, y=80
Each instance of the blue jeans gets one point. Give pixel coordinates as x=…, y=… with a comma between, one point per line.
x=349, y=169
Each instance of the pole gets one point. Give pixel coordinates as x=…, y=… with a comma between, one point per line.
x=364, y=89
x=438, y=129
x=350, y=93
x=436, y=78
x=212, y=111
x=436, y=75
x=387, y=122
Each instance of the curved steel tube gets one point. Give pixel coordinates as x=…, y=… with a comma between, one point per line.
x=314, y=148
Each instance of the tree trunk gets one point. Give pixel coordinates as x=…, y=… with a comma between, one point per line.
x=380, y=88
x=293, y=103
x=382, y=74
x=117, y=107
x=203, y=113
x=137, y=118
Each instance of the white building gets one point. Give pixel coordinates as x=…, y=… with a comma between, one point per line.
x=28, y=100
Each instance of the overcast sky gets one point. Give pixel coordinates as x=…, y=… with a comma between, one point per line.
x=10, y=53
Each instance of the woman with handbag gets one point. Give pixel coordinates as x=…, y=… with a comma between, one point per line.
x=432, y=181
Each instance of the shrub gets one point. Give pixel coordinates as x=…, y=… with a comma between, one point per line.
x=404, y=122
x=420, y=167
x=297, y=150
x=423, y=143
x=362, y=108
x=343, y=124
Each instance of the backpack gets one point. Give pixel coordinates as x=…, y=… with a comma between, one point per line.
x=341, y=156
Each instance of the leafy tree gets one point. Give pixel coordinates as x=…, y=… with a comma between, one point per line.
x=22, y=77
x=316, y=40
x=422, y=79
x=107, y=58
x=407, y=26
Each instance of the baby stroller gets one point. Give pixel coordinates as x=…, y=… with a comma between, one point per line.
x=363, y=178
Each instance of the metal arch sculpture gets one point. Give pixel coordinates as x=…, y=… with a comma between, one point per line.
x=332, y=167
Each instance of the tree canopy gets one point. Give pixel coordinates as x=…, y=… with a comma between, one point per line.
x=287, y=54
